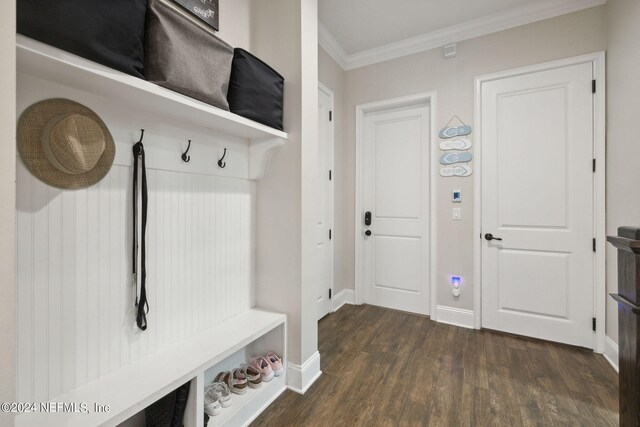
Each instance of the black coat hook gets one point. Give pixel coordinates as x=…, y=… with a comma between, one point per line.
x=220, y=162
x=186, y=158
x=138, y=147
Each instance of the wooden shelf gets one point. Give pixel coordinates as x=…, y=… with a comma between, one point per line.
x=133, y=388
x=57, y=66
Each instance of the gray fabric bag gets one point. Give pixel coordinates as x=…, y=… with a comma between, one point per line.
x=183, y=56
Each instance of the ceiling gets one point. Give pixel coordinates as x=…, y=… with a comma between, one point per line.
x=357, y=28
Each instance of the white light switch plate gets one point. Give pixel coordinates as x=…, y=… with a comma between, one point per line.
x=457, y=213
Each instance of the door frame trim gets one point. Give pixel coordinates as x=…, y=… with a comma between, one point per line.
x=599, y=184
x=332, y=138
x=429, y=98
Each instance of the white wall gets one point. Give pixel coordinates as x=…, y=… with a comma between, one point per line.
x=623, y=152
x=453, y=79
x=331, y=75
x=7, y=201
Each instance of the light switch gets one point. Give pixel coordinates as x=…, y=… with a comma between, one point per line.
x=457, y=213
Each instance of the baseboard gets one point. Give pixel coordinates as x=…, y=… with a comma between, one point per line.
x=301, y=377
x=454, y=316
x=345, y=296
x=611, y=352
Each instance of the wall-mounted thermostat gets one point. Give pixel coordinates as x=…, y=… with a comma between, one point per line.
x=456, y=196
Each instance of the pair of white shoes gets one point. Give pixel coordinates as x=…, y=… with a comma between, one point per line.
x=216, y=396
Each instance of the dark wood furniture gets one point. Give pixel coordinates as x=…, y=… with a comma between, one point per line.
x=628, y=244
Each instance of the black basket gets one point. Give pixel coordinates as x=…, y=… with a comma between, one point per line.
x=255, y=90
x=169, y=411
x=108, y=32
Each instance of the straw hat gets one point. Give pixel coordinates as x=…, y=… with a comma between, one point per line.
x=65, y=144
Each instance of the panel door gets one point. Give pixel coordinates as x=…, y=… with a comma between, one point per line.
x=537, y=196
x=324, y=216
x=396, y=193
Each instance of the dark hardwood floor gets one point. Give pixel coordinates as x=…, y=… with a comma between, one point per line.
x=388, y=368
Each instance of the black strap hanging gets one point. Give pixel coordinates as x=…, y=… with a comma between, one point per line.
x=142, y=306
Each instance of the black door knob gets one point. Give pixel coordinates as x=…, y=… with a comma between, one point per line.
x=490, y=237
x=367, y=233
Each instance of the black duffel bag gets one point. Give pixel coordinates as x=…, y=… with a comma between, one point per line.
x=108, y=32
x=255, y=90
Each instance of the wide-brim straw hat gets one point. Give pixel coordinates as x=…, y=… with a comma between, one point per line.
x=65, y=144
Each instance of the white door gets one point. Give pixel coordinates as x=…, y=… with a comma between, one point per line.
x=395, y=183
x=324, y=222
x=537, y=196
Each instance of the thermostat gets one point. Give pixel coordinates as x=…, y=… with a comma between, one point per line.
x=456, y=196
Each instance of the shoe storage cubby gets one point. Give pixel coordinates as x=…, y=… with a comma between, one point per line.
x=244, y=407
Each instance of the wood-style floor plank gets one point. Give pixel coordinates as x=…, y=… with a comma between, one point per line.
x=388, y=368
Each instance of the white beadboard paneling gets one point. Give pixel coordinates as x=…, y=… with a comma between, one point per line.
x=54, y=288
x=25, y=270
x=68, y=295
x=40, y=294
x=75, y=316
x=81, y=279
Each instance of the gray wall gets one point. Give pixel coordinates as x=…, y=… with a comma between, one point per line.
x=285, y=266
x=235, y=23
x=623, y=150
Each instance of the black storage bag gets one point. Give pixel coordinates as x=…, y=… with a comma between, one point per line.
x=108, y=32
x=169, y=410
x=183, y=56
x=255, y=90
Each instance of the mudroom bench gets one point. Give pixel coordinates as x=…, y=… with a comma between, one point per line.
x=198, y=359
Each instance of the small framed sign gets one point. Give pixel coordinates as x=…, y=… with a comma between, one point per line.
x=204, y=10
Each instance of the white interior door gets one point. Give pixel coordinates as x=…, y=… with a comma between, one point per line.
x=395, y=185
x=324, y=215
x=537, y=196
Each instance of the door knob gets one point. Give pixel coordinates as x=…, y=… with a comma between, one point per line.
x=367, y=233
x=490, y=237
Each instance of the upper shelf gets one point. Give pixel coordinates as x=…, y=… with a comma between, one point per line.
x=52, y=64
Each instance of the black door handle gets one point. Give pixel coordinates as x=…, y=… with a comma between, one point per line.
x=490, y=237
x=367, y=233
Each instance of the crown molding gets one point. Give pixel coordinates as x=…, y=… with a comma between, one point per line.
x=523, y=15
x=328, y=42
